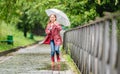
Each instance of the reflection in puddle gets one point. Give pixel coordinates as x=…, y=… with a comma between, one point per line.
x=57, y=67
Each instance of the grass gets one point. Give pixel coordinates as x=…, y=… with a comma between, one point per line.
x=70, y=62
x=19, y=39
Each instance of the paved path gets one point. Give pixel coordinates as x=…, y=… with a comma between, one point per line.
x=32, y=60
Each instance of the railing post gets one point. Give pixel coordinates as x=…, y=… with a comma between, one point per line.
x=113, y=47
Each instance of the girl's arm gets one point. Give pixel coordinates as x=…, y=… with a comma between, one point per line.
x=58, y=26
x=47, y=30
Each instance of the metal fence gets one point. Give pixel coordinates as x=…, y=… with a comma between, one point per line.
x=95, y=47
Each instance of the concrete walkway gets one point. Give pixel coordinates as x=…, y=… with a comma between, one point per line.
x=32, y=60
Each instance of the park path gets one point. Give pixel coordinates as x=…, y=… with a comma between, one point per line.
x=32, y=60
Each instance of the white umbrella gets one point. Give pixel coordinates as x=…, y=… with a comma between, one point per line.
x=61, y=16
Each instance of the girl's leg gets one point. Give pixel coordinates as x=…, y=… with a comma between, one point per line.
x=57, y=53
x=52, y=50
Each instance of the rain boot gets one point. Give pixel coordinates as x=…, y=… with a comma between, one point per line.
x=58, y=58
x=53, y=61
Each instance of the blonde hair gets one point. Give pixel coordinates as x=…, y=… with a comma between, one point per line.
x=50, y=16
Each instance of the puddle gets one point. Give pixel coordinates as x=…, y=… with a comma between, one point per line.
x=61, y=67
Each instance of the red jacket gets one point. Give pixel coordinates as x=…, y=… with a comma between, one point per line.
x=54, y=33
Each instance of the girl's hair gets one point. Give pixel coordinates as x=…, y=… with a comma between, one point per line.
x=50, y=16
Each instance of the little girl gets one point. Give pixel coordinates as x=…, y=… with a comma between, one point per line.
x=53, y=37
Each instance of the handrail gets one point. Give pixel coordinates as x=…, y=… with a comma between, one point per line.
x=94, y=47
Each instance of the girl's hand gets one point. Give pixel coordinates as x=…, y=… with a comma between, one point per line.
x=50, y=28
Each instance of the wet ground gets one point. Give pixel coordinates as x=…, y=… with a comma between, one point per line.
x=32, y=60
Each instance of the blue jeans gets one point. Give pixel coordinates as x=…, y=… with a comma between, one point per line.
x=54, y=48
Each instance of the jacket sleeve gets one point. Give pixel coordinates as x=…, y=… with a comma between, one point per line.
x=47, y=31
x=58, y=26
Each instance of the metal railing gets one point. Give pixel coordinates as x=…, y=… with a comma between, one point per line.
x=95, y=47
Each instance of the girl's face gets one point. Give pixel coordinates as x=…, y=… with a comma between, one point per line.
x=52, y=18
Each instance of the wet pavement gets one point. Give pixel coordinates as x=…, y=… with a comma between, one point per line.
x=32, y=60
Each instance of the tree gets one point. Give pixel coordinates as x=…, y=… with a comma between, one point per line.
x=79, y=11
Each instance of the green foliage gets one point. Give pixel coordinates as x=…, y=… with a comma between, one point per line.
x=106, y=5
x=79, y=11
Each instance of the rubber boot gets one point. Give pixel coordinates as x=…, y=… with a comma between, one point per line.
x=58, y=58
x=53, y=61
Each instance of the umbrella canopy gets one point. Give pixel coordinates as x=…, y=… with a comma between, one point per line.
x=61, y=16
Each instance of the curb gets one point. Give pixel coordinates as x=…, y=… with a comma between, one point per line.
x=16, y=49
